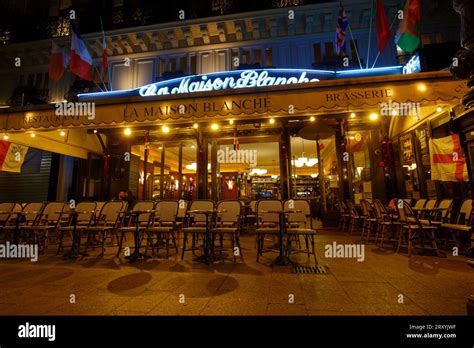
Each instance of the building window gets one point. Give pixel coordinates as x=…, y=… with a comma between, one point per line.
x=257, y=56
x=245, y=57
x=439, y=38
x=182, y=64
x=234, y=63
x=317, y=53
x=172, y=65
x=192, y=65
x=329, y=49
x=268, y=57
x=161, y=67
x=425, y=39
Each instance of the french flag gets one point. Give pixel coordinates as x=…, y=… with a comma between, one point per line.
x=81, y=60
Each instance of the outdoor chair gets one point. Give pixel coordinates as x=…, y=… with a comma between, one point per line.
x=344, y=215
x=462, y=225
x=49, y=220
x=143, y=222
x=439, y=217
x=354, y=216
x=8, y=218
x=107, y=223
x=86, y=212
x=267, y=223
x=163, y=227
x=413, y=230
x=228, y=223
x=385, y=220
x=300, y=224
x=370, y=220
x=196, y=224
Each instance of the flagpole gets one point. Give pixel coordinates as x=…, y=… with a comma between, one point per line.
x=370, y=33
x=391, y=26
x=97, y=70
x=355, y=46
x=103, y=34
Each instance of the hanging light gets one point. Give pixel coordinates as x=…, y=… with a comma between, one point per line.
x=165, y=129
x=314, y=175
x=6, y=136
x=62, y=133
x=312, y=161
x=303, y=159
x=32, y=135
x=195, y=126
x=127, y=132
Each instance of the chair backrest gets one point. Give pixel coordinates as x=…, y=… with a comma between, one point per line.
x=253, y=206
x=430, y=204
x=366, y=208
x=52, y=211
x=465, y=212
x=409, y=214
x=6, y=207
x=420, y=203
x=111, y=211
x=298, y=205
x=379, y=209
x=201, y=204
x=85, y=212
x=229, y=211
x=98, y=208
x=446, y=204
x=265, y=205
x=183, y=207
x=144, y=205
x=166, y=211
x=32, y=211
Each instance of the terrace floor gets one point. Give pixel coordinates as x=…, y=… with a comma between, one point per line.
x=385, y=283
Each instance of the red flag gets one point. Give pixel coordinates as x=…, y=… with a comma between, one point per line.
x=383, y=28
x=56, y=65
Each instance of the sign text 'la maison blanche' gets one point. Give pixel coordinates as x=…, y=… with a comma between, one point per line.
x=228, y=80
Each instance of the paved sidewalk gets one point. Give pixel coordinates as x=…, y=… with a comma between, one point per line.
x=385, y=283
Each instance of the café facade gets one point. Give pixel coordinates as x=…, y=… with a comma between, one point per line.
x=317, y=134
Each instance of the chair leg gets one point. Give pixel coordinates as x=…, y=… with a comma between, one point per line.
x=119, y=250
x=237, y=238
x=185, y=239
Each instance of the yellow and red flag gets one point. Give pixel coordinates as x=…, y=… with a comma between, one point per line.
x=448, y=162
x=12, y=156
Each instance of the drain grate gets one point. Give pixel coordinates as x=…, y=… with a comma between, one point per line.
x=310, y=270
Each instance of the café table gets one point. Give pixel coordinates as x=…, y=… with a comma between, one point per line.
x=136, y=253
x=282, y=259
x=208, y=256
x=76, y=237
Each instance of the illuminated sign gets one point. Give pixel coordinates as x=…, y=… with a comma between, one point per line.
x=413, y=65
x=228, y=80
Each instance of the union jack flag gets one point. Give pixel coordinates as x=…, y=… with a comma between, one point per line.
x=341, y=27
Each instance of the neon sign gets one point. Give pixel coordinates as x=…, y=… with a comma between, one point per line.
x=231, y=80
x=413, y=65
x=228, y=80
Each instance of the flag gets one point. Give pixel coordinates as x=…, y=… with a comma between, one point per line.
x=448, y=162
x=383, y=28
x=19, y=159
x=81, y=60
x=341, y=27
x=56, y=64
x=105, y=64
x=408, y=35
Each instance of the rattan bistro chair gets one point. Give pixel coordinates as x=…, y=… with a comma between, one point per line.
x=143, y=222
x=163, y=227
x=228, y=223
x=370, y=220
x=85, y=216
x=268, y=223
x=8, y=219
x=462, y=225
x=50, y=219
x=300, y=224
x=345, y=216
x=107, y=223
x=413, y=230
x=196, y=223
